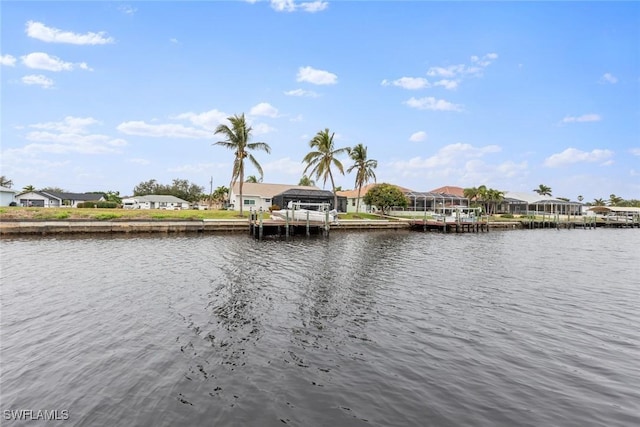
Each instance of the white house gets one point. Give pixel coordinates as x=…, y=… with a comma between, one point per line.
x=352, y=199
x=154, y=201
x=7, y=196
x=259, y=195
x=49, y=199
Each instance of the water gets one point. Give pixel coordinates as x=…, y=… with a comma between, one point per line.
x=524, y=328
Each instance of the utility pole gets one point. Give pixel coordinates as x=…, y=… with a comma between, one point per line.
x=211, y=194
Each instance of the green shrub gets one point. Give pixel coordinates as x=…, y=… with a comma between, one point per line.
x=508, y=215
x=102, y=205
x=63, y=215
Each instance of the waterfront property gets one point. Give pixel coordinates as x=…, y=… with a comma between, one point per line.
x=50, y=199
x=154, y=201
x=518, y=203
x=259, y=195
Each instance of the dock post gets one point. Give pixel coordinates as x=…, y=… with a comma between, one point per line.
x=260, y=229
x=326, y=223
x=308, y=233
x=286, y=222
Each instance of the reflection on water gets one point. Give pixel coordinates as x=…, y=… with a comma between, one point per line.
x=385, y=329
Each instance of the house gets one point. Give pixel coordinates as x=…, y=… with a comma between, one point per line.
x=449, y=189
x=7, y=196
x=259, y=195
x=352, y=199
x=436, y=200
x=518, y=203
x=50, y=199
x=310, y=195
x=154, y=201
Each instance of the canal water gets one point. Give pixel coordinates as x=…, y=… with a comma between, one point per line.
x=513, y=328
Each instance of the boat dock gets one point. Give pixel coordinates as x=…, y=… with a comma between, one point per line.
x=450, y=227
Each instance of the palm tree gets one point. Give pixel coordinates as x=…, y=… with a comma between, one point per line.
x=615, y=200
x=253, y=179
x=580, y=198
x=5, y=182
x=238, y=138
x=471, y=193
x=364, y=169
x=322, y=158
x=28, y=189
x=306, y=181
x=599, y=202
x=543, y=190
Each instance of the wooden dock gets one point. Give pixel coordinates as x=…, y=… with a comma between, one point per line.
x=450, y=227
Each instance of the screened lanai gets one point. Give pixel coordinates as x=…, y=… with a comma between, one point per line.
x=433, y=202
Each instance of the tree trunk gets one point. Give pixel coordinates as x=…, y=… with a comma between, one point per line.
x=358, y=201
x=335, y=195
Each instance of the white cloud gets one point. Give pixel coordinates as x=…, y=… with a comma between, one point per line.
x=302, y=92
x=458, y=71
x=608, y=78
x=127, y=10
x=447, y=156
x=38, y=80
x=284, y=166
x=292, y=6
x=141, y=128
x=264, y=109
x=174, y=40
x=635, y=151
x=38, y=30
x=418, y=136
x=69, y=136
x=43, y=61
x=582, y=119
x=431, y=103
x=410, y=83
x=316, y=77
x=262, y=128
x=573, y=155
x=447, y=84
x=486, y=60
x=8, y=60
x=208, y=120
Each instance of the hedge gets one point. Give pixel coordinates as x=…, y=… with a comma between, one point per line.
x=102, y=205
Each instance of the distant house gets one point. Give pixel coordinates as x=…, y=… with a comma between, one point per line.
x=7, y=196
x=259, y=195
x=154, y=201
x=49, y=199
x=522, y=203
x=352, y=199
x=449, y=189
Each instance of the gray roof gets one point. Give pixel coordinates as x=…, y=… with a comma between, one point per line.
x=7, y=190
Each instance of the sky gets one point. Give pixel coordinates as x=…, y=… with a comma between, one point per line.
x=101, y=96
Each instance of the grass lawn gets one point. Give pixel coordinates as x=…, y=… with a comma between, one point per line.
x=20, y=213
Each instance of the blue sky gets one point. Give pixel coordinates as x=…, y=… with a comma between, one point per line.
x=100, y=96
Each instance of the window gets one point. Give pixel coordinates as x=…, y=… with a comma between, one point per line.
x=353, y=202
x=248, y=202
x=267, y=200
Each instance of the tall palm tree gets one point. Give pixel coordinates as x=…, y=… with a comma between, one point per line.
x=238, y=138
x=615, y=200
x=306, y=181
x=543, y=190
x=253, y=179
x=5, y=182
x=364, y=169
x=599, y=202
x=471, y=193
x=28, y=189
x=580, y=198
x=322, y=157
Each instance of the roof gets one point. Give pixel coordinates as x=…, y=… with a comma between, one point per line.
x=530, y=198
x=307, y=192
x=417, y=195
x=454, y=191
x=354, y=193
x=265, y=190
x=7, y=190
x=75, y=196
x=616, y=209
x=163, y=198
